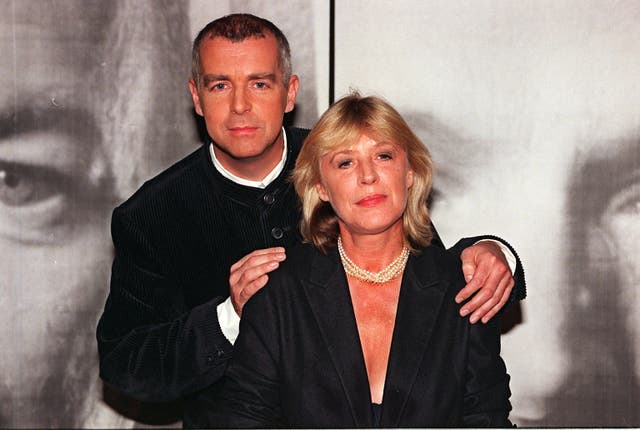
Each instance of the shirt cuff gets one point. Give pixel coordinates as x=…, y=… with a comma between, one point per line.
x=508, y=255
x=229, y=320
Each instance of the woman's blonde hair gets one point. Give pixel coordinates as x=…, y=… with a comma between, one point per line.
x=341, y=126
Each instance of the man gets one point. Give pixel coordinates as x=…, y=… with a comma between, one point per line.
x=531, y=112
x=75, y=91
x=207, y=231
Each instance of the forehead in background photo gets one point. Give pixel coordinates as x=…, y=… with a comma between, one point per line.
x=531, y=110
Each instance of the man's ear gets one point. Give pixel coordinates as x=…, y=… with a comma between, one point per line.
x=292, y=92
x=195, y=97
x=322, y=192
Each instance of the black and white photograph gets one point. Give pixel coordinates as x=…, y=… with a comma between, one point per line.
x=530, y=111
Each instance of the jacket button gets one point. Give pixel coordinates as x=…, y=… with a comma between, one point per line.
x=276, y=232
x=269, y=199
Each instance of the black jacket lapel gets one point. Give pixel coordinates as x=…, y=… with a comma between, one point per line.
x=421, y=297
x=330, y=301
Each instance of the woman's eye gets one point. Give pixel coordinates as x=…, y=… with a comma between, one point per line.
x=385, y=156
x=344, y=163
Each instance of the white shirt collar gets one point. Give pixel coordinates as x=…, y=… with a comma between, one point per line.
x=271, y=176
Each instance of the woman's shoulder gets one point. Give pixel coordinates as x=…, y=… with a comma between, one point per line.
x=446, y=264
x=293, y=271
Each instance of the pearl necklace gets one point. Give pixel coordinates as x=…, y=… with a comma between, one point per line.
x=395, y=268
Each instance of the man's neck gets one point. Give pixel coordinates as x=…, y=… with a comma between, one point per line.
x=256, y=171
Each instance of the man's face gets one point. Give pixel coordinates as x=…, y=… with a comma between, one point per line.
x=242, y=97
x=53, y=208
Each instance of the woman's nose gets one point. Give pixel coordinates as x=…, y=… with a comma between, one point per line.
x=368, y=173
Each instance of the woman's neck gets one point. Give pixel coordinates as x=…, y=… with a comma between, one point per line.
x=373, y=252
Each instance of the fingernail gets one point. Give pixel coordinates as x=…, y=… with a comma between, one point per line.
x=464, y=312
x=473, y=319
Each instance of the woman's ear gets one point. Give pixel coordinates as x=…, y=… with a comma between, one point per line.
x=409, y=178
x=322, y=192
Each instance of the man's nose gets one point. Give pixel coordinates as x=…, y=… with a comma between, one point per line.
x=240, y=102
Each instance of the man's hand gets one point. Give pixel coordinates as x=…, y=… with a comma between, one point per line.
x=249, y=274
x=486, y=269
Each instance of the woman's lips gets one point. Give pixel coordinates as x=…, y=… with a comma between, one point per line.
x=371, y=200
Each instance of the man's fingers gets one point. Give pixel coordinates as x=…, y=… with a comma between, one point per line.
x=478, y=280
x=247, y=292
x=505, y=297
x=496, y=301
x=261, y=262
x=249, y=274
x=478, y=300
x=472, y=286
x=252, y=274
x=254, y=287
x=487, y=292
x=261, y=255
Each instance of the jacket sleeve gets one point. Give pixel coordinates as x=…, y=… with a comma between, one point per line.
x=486, y=396
x=249, y=395
x=151, y=345
x=519, y=291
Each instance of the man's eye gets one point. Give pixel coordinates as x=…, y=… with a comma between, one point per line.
x=261, y=85
x=23, y=185
x=217, y=86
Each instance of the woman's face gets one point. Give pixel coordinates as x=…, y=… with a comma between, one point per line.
x=367, y=185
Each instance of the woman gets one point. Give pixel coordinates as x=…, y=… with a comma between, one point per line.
x=359, y=327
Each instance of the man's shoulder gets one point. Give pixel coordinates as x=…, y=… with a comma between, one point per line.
x=178, y=180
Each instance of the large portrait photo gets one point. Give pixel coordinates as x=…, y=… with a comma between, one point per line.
x=530, y=110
